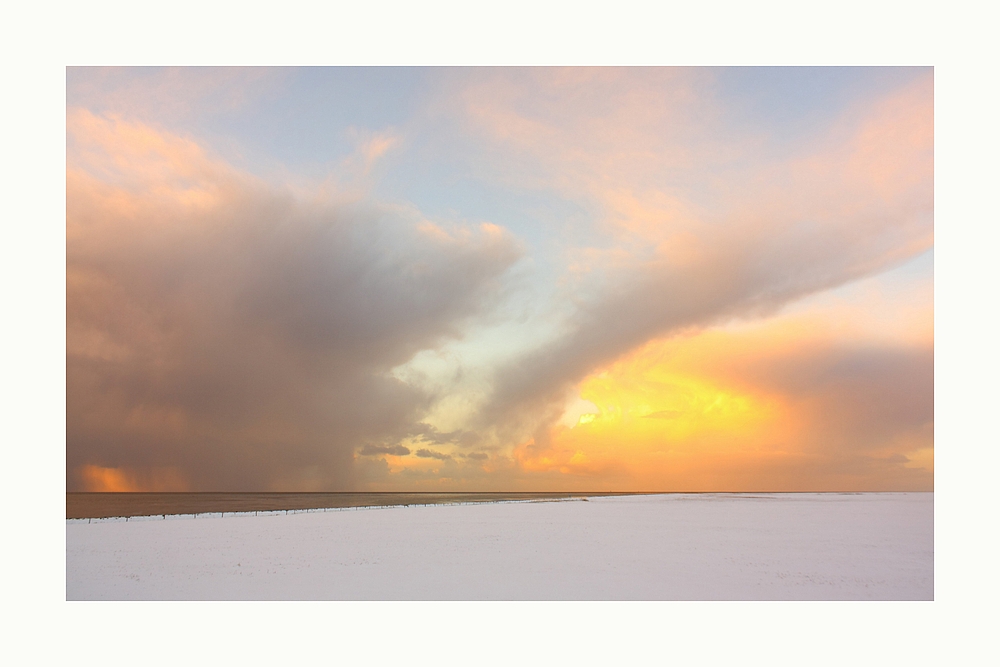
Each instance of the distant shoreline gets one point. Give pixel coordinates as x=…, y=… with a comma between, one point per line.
x=84, y=505
x=124, y=505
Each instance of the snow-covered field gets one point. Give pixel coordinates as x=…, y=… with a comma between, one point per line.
x=661, y=547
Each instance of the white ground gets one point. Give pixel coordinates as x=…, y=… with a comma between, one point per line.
x=664, y=547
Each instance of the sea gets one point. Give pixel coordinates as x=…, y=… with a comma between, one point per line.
x=123, y=504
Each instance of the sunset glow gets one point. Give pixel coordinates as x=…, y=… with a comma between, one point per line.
x=641, y=279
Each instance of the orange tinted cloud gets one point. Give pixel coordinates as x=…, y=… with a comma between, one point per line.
x=697, y=223
x=784, y=405
x=243, y=329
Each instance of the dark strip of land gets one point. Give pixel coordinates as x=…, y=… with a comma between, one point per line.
x=106, y=505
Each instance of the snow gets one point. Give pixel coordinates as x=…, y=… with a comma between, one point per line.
x=659, y=547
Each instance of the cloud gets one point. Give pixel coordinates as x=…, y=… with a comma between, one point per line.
x=429, y=434
x=241, y=333
x=694, y=229
x=784, y=405
x=376, y=450
x=430, y=454
x=254, y=335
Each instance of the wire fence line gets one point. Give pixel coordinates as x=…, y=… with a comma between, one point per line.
x=219, y=515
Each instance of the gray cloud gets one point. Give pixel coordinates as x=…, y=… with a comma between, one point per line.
x=661, y=298
x=430, y=454
x=431, y=435
x=862, y=397
x=247, y=342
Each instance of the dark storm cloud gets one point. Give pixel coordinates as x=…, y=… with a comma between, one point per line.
x=243, y=335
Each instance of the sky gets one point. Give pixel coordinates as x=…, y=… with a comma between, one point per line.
x=499, y=279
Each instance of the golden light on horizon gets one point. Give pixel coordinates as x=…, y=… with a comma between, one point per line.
x=628, y=283
x=718, y=409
